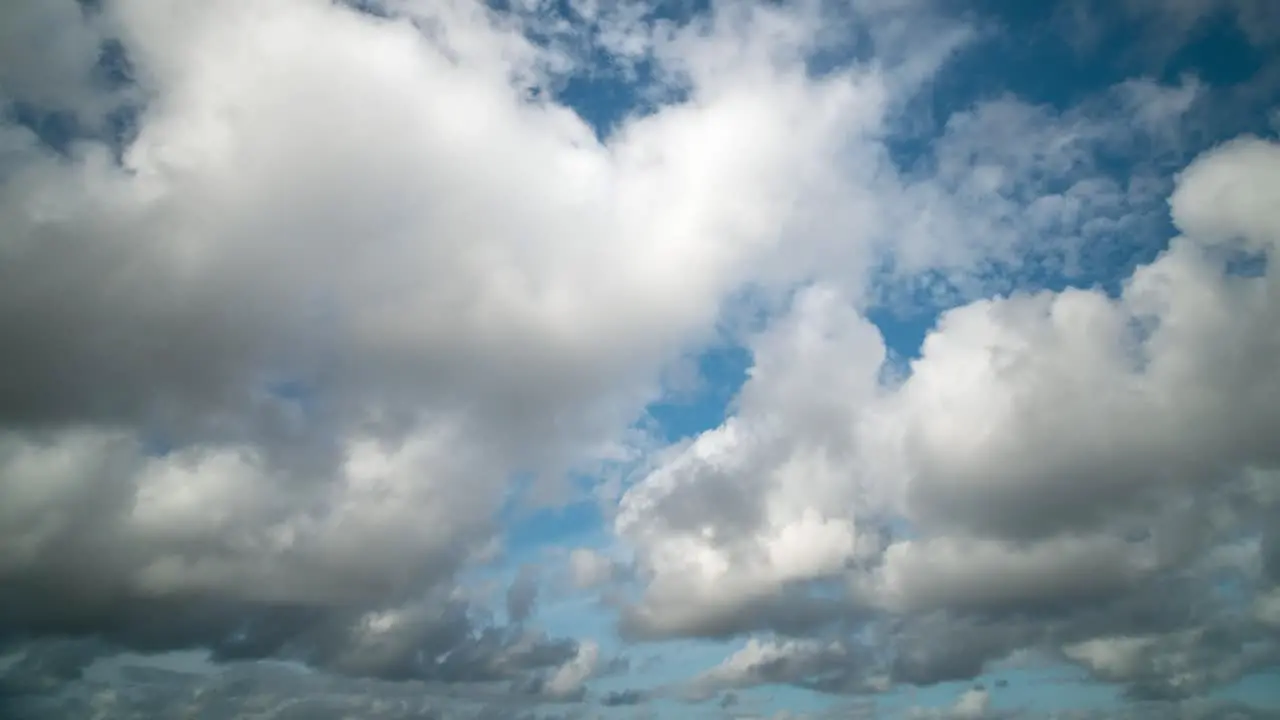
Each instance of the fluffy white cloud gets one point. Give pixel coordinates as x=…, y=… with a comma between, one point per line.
x=1057, y=453
x=275, y=354
x=463, y=290
x=569, y=679
x=767, y=499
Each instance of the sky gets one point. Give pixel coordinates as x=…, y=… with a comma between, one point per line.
x=606, y=359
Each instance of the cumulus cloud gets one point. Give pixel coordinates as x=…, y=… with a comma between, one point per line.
x=1059, y=455
x=751, y=507
x=296, y=296
x=291, y=347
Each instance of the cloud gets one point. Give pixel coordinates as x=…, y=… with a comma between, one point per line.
x=1158, y=30
x=1172, y=665
x=622, y=698
x=298, y=296
x=263, y=364
x=719, y=525
x=972, y=704
x=53, y=679
x=1059, y=455
x=1256, y=20
x=51, y=55
x=589, y=569
x=522, y=595
x=568, y=680
x=824, y=666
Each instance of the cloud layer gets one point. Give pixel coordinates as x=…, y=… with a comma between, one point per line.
x=300, y=299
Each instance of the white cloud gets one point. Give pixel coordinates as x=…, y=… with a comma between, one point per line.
x=457, y=283
x=1056, y=452
x=465, y=289
x=971, y=704
x=775, y=662
x=569, y=679
x=767, y=499
x=589, y=569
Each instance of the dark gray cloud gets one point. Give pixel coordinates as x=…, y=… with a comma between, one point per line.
x=69, y=678
x=442, y=643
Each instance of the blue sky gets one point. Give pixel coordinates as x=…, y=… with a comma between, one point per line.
x=895, y=359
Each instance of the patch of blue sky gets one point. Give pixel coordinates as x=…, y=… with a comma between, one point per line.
x=529, y=530
x=1217, y=52
x=606, y=96
x=901, y=698
x=678, y=709
x=1033, y=691
x=748, y=704
x=578, y=613
x=721, y=371
x=1048, y=690
x=1040, y=54
x=773, y=700
x=667, y=665
x=1260, y=690
x=602, y=101
x=293, y=391
x=857, y=45
x=604, y=93
x=903, y=329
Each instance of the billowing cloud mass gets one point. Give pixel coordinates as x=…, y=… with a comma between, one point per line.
x=308, y=307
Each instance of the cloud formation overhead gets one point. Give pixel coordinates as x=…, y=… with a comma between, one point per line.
x=624, y=359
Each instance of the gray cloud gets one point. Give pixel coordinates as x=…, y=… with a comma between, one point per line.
x=260, y=395
x=522, y=595
x=1079, y=471
x=622, y=698
x=274, y=359
x=72, y=678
